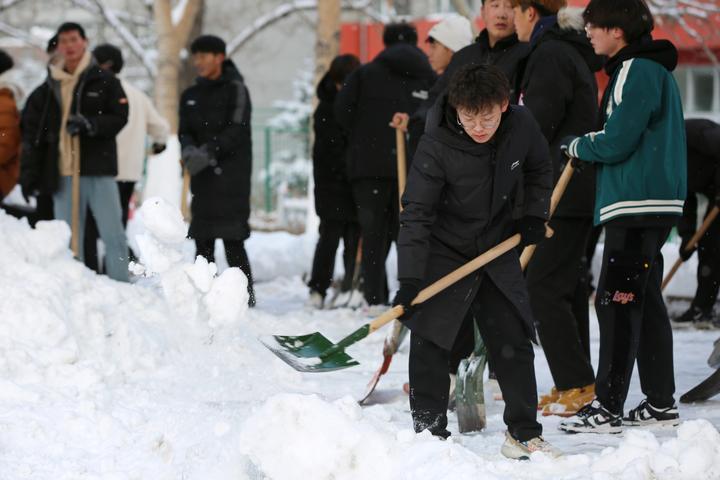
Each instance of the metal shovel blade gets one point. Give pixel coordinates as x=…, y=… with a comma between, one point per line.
x=303, y=352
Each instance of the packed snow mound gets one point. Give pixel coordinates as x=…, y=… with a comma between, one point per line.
x=340, y=440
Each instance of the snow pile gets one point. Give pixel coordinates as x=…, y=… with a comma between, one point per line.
x=193, y=292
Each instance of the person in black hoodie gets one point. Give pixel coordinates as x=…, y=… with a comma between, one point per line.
x=333, y=198
x=395, y=81
x=703, y=148
x=476, y=157
x=215, y=138
x=558, y=86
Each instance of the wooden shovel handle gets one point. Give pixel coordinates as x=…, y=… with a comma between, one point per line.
x=401, y=163
x=449, y=279
x=75, y=193
x=692, y=244
x=184, y=207
x=557, y=194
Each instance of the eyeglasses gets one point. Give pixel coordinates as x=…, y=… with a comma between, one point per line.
x=484, y=124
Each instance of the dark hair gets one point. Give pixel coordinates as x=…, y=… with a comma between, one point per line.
x=633, y=17
x=71, y=27
x=6, y=61
x=52, y=45
x=478, y=87
x=399, y=33
x=342, y=66
x=109, y=54
x=208, y=44
x=543, y=7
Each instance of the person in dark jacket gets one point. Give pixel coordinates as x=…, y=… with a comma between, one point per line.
x=458, y=203
x=703, y=149
x=79, y=103
x=558, y=86
x=334, y=203
x=395, y=81
x=641, y=187
x=215, y=138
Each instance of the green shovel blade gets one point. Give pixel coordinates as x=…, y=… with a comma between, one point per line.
x=304, y=352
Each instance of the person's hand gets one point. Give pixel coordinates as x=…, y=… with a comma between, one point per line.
x=404, y=296
x=158, y=148
x=684, y=253
x=565, y=144
x=578, y=164
x=400, y=120
x=195, y=159
x=79, y=125
x=531, y=230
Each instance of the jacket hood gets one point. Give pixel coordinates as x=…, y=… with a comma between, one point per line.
x=405, y=59
x=326, y=89
x=483, y=39
x=660, y=51
x=229, y=73
x=569, y=27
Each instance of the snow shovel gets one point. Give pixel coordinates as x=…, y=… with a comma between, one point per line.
x=469, y=392
x=184, y=207
x=691, y=244
x=397, y=334
x=705, y=390
x=316, y=353
x=75, y=222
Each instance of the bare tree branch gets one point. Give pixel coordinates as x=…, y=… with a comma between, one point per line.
x=698, y=38
x=5, y=4
x=185, y=22
x=120, y=14
x=127, y=37
x=23, y=36
x=287, y=9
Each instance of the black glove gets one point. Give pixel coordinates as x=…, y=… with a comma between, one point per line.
x=158, y=148
x=195, y=159
x=531, y=229
x=565, y=144
x=405, y=295
x=79, y=125
x=685, y=254
x=27, y=192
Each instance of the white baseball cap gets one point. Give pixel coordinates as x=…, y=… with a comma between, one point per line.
x=453, y=31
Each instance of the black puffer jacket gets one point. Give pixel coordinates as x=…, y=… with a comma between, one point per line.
x=333, y=196
x=98, y=96
x=395, y=81
x=703, y=163
x=558, y=86
x=507, y=54
x=216, y=113
x=458, y=203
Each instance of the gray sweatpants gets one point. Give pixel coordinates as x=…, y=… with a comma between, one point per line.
x=101, y=195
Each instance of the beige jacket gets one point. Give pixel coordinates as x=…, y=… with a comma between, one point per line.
x=143, y=120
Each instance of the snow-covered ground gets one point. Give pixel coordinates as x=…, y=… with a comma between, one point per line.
x=165, y=379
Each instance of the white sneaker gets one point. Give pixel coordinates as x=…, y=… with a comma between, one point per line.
x=315, y=301
x=592, y=418
x=517, y=450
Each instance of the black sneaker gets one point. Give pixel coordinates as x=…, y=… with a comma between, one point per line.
x=592, y=418
x=698, y=318
x=645, y=415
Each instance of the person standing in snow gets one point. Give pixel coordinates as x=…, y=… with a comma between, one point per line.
x=80, y=103
x=703, y=156
x=558, y=86
x=215, y=138
x=395, y=81
x=10, y=97
x=478, y=156
x=640, y=156
x=334, y=203
x=143, y=120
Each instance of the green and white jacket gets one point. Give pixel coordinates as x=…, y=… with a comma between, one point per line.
x=641, y=152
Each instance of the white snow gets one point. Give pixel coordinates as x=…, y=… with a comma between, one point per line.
x=165, y=379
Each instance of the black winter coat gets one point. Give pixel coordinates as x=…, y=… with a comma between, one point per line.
x=216, y=113
x=703, y=163
x=98, y=96
x=559, y=87
x=458, y=204
x=333, y=195
x=507, y=54
x=395, y=81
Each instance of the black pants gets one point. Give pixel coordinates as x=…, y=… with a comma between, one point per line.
x=377, y=207
x=557, y=282
x=126, y=190
x=708, y=273
x=43, y=210
x=331, y=231
x=507, y=343
x=633, y=319
x=236, y=257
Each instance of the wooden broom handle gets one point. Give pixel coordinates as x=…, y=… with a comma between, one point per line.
x=692, y=244
x=401, y=162
x=75, y=186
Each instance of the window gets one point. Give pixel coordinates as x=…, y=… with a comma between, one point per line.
x=700, y=90
x=704, y=89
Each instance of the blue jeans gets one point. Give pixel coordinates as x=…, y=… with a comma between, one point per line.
x=100, y=194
